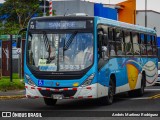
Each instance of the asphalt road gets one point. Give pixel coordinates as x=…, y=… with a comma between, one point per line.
x=149, y=102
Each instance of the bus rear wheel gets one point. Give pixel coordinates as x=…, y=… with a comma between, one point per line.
x=140, y=92
x=50, y=101
x=108, y=100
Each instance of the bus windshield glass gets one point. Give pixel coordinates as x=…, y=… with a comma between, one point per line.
x=71, y=51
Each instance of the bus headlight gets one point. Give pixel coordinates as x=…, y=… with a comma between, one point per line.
x=88, y=81
x=29, y=80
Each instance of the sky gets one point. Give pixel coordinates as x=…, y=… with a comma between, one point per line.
x=151, y=4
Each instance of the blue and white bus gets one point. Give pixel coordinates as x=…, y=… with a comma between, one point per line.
x=75, y=57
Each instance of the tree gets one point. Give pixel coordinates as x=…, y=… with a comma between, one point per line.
x=23, y=9
x=17, y=14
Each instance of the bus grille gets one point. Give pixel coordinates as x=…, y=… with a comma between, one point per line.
x=64, y=93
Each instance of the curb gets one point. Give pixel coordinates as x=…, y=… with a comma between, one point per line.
x=12, y=97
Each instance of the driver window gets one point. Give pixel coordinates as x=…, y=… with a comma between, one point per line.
x=105, y=52
x=103, y=29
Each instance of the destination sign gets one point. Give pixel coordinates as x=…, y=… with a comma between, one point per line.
x=61, y=24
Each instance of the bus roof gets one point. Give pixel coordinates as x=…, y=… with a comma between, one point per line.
x=110, y=22
x=101, y=20
x=63, y=17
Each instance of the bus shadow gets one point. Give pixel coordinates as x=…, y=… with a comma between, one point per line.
x=89, y=104
x=82, y=104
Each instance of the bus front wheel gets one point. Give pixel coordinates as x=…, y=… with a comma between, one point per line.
x=108, y=100
x=50, y=101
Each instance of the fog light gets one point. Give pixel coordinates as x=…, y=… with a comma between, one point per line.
x=75, y=84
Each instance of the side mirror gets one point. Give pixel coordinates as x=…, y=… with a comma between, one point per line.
x=19, y=38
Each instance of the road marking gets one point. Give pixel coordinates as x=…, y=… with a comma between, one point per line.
x=24, y=98
x=143, y=98
x=155, y=96
x=140, y=98
x=152, y=90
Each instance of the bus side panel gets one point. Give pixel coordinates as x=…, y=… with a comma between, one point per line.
x=128, y=72
x=150, y=66
x=113, y=67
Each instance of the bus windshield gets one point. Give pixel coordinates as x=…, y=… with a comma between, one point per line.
x=59, y=52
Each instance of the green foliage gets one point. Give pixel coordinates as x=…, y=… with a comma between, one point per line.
x=19, y=12
x=9, y=28
x=5, y=83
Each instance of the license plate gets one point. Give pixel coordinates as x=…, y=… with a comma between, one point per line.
x=57, y=96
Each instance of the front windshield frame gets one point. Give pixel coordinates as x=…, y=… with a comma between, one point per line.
x=58, y=32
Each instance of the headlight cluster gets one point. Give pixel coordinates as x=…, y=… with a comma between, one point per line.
x=29, y=80
x=88, y=80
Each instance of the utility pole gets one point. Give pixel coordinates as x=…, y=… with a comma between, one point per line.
x=10, y=58
x=145, y=13
x=44, y=12
x=50, y=8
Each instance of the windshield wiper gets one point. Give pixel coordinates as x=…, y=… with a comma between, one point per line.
x=70, y=40
x=47, y=45
x=46, y=41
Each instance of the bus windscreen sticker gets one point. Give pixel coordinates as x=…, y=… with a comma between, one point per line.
x=48, y=68
x=42, y=62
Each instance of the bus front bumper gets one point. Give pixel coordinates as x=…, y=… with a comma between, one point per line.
x=65, y=93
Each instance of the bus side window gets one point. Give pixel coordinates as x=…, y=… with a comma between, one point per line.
x=119, y=42
x=128, y=43
x=105, y=52
x=149, y=47
x=136, y=47
x=154, y=45
x=143, y=44
x=103, y=30
x=111, y=42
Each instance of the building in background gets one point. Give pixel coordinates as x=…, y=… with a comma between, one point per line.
x=127, y=13
x=90, y=8
x=106, y=11
x=153, y=18
x=124, y=12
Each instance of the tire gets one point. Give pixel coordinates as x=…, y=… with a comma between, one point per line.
x=138, y=92
x=108, y=100
x=50, y=101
